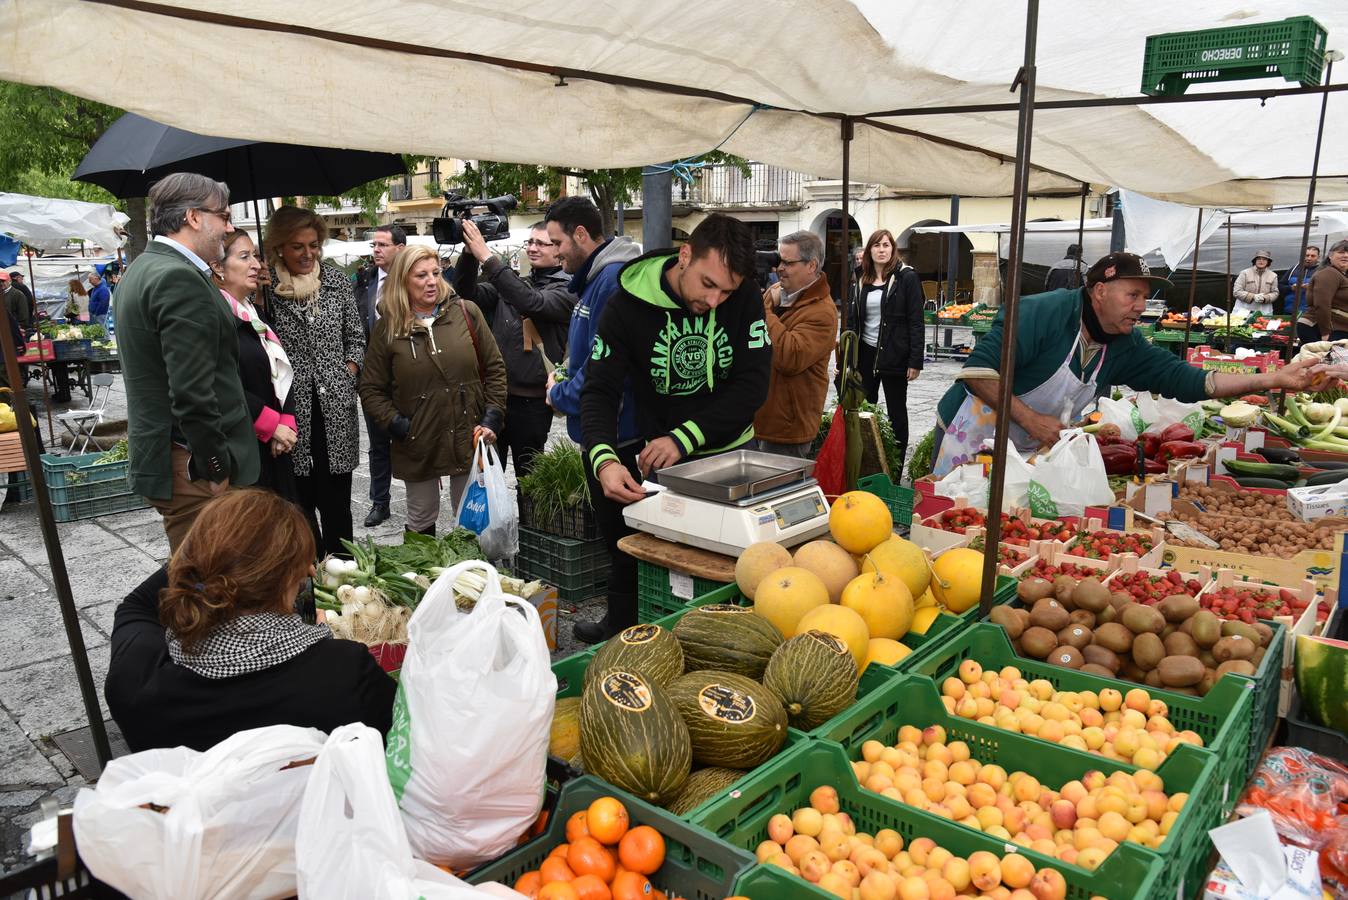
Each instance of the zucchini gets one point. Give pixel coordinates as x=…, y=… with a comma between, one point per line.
x=1250, y=481
x=1282, y=455
x=1276, y=471
x=1325, y=465
x=1333, y=477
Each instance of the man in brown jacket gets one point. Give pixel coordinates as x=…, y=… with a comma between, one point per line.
x=802, y=323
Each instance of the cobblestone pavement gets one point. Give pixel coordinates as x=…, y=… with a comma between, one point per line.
x=108, y=556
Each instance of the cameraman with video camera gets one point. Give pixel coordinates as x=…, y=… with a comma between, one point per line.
x=529, y=317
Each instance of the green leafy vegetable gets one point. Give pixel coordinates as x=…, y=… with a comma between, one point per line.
x=919, y=464
x=556, y=482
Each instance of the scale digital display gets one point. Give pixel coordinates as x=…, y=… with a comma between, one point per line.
x=793, y=512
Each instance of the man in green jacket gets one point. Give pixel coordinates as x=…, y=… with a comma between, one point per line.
x=190, y=436
x=1072, y=346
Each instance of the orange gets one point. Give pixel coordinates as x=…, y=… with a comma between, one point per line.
x=591, y=887
x=631, y=886
x=560, y=850
x=558, y=890
x=589, y=857
x=642, y=850
x=576, y=827
x=529, y=884
x=554, y=868
x=607, y=820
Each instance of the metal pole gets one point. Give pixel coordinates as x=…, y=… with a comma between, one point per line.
x=1193, y=287
x=46, y=393
x=952, y=249
x=32, y=454
x=1118, y=231
x=1230, y=298
x=845, y=282
x=1081, y=234
x=257, y=226
x=657, y=224
x=1310, y=209
x=1025, y=80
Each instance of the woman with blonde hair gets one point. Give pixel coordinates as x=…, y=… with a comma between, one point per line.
x=211, y=644
x=434, y=379
x=313, y=310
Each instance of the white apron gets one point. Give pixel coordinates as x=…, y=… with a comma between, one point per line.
x=1063, y=396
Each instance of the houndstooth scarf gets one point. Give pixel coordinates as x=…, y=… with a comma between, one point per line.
x=248, y=643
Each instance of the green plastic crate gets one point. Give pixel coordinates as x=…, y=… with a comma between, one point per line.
x=22, y=486
x=1222, y=719
x=785, y=786
x=697, y=866
x=79, y=489
x=578, y=569
x=899, y=499
x=914, y=700
x=655, y=592
x=1267, y=680
x=1293, y=48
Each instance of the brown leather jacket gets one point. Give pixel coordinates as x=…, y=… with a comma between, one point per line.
x=803, y=336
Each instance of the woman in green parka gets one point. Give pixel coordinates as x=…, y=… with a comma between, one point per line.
x=434, y=379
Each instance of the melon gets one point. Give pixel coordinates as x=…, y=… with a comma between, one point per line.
x=834, y=565
x=1322, y=680
x=757, y=562
x=859, y=520
x=903, y=558
x=844, y=624
x=787, y=595
x=924, y=618
x=925, y=600
x=957, y=579
x=632, y=736
x=728, y=638
x=883, y=602
x=648, y=650
x=885, y=652
x=564, y=739
x=815, y=677
x=732, y=721
x=701, y=786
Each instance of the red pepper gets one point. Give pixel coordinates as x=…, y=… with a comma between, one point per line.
x=1150, y=444
x=1120, y=459
x=1156, y=468
x=1181, y=450
x=1177, y=432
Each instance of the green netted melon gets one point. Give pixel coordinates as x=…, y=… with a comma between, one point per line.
x=632, y=736
x=814, y=676
x=647, y=650
x=727, y=638
x=701, y=786
x=564, y=739
x=733, y=721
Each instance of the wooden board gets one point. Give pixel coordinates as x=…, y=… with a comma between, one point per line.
x=679, y=557
x=11, y=453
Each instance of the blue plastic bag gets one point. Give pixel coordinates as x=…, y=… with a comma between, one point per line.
x=488, y=507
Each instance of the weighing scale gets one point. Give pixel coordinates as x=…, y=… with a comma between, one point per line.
x=725, y=503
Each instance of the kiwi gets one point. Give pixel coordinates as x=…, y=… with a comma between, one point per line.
x=1209, y=679
x=1078, y=636
x=1258, y=657
x=1148, y=650
x=1180, y=644
x=1153, y=679
x=1168, y=630
x=1034, y=589
x=1063, y=586
x=1101, y=656
x=1180, y=671
x=1265, y=633
x=1207, y=659
x=1049, y=613
x=1114, y=636
x=1178, y=607
x=1108, y=614
x=1206, y=628
x=1038, y=642
x=1142, y=619
x=1083, y=617
x=1096, y=670
x=1234, y=647
x=1006, y=617
x=1240, y=628
x=1120, y=599
x=1067, y=656
x=1237, y=667
x=1186, y=691
x=1130, y=671
x=1187, y=626
x=1090, y=595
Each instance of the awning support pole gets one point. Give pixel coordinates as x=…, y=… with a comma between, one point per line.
x=1025, y=81
x=1300, y=290
x=1193, y=287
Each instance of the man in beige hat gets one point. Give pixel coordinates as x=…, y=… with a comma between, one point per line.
x=1257, y=287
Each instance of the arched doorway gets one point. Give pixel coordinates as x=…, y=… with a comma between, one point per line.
x=839, y=245
x=929, y=253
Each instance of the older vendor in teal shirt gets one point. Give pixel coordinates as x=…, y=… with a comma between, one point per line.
x=1072, y=346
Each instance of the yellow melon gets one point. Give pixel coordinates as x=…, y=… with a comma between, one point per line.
x=786, y=595
x=903, y=558
x=859, y=520
x=925, y=600
x=844, y=624
x=757, y=562
x=883, y=602
x=924, y=617
x=834, y=565
x=884, y=651
x=957, y=578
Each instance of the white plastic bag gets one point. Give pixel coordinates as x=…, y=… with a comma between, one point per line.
x=966, y=481
x=469, y=742
x=1124, y=414
x=1165, y=412
x=488, y=508
x=223, y=825
x=1070, y=477
x=352, y=844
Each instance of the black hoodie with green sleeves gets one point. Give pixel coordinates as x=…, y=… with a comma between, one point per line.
x=697, y=378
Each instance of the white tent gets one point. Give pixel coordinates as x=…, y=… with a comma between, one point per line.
x=600, y=83
x=50, y=224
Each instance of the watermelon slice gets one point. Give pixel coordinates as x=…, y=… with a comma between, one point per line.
x=1322, y=680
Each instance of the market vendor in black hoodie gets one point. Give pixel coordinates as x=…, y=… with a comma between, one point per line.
x=686, y=327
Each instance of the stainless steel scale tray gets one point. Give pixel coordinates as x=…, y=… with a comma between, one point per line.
x=734, y=475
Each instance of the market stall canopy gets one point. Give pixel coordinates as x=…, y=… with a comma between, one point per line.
x=49, y=224
x=603, y=83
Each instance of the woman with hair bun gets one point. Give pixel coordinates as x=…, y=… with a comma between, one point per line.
x=211, y=645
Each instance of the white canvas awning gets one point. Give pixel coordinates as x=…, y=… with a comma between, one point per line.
x=602, y=83
x=49, y=224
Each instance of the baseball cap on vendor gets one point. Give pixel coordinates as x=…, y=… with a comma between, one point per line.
x=1121, y=265
x=4, y=276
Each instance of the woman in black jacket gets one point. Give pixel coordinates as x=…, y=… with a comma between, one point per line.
x=211, y=645
x=264, y=367
x=885, y=310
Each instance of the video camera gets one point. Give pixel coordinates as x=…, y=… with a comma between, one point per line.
x=768, y=259
x=494, y=224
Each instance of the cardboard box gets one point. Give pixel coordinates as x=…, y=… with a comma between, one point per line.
x=1310, y=503
x=545, y=601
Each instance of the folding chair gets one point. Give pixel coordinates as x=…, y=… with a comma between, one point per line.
x=80, y=423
